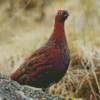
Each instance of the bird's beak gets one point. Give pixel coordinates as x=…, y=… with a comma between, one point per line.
x=67, y=14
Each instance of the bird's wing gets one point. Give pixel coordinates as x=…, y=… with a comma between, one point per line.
x=36, y=67
x=42, y=60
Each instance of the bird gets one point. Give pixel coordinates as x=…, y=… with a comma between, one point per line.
x=48, y=64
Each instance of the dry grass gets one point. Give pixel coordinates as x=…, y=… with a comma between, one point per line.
x=21, y=35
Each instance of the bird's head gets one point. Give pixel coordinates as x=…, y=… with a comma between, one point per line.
x=62, y=15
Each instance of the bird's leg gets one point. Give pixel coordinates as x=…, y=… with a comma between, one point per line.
x=47, y=89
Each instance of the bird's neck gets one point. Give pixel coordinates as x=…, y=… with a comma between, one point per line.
x=58, y=33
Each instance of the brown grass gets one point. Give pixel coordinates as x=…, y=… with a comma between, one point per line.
x=21, y=35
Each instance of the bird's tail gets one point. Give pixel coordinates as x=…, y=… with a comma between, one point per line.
x=15, y=75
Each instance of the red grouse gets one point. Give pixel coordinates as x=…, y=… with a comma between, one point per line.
x=49, y=63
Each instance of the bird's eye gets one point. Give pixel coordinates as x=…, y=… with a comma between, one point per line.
x=60, y=13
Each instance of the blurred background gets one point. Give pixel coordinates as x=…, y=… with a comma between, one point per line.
x=25, y=25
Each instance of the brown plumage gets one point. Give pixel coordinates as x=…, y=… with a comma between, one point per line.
x=49, y=63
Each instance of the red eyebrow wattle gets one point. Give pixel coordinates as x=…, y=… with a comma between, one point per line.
x=60, y=11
